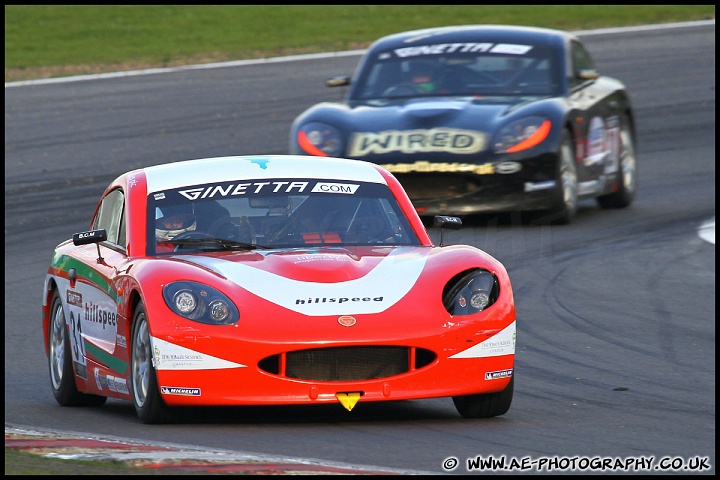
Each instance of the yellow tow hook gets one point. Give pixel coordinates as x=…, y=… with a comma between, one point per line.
x=348, y=400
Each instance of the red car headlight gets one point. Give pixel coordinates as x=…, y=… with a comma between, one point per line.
x=200, y=303
x=471, y=292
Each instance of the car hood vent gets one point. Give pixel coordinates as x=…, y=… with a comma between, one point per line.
x=433, y=110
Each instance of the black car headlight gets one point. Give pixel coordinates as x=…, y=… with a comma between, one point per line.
x=471, y=292
x=200, y=303
x=320, y=140
x=522, y=134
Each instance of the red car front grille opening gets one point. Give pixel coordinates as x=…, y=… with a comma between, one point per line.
x=342, y=364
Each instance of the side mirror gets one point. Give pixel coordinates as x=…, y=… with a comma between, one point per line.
x=92, y=236
x=443, y=222
x=340, y=81
x=587, y=74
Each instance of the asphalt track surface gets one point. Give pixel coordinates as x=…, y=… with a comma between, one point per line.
x=616, y=330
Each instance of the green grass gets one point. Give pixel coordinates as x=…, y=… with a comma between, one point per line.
x=44, y=40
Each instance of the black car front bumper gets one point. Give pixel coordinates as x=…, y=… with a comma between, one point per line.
x=440, y=188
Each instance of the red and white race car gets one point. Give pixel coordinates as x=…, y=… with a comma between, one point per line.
x=260, y=280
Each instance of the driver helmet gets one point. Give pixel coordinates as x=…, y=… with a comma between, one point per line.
x=172, y=221
x=423, y=76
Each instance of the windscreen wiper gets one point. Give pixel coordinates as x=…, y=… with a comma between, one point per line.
x=224, y=243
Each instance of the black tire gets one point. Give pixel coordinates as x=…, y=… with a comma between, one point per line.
x=149, y=405
x=60, y=362
x=485, y=405
x=567, y=186
x=627, y=171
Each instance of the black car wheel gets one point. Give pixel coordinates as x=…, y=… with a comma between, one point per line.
x=60, y=362
x=149, y=405
x=485, y=405
x=626, y=174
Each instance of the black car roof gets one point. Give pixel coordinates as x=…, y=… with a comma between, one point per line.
x=471, y=33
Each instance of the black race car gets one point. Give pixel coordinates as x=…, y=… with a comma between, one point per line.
x=483, y=118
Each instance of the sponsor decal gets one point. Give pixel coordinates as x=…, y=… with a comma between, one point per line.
x=506, y=168
x=498, y=374
x=74, y=298
x=168, y=356
x=82, y=235
x=110, y=382
x=604, y=143
x=118, y=384
x=100, y=316
x=237, y=189
x=347, y=321
x=596, y=144
x=188, y=392
x=99, y=380
x=159, y=196
x=414, y=141
x=301, y=301
x=260, y=162
x=497, y=347
x=614, y=141
x=534, y=187
x=502, y=343
x=462, y=47
x=319, y=257
x=227, y=170
x=509, y=48
x=185, y=358
x=132, y=181
x=325, y=187
x=121, y=341
x=424, y=166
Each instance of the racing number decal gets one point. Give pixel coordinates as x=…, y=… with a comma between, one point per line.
x=91, y=316
x=76, y=333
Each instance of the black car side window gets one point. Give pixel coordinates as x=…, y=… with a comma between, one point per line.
x=581, y=61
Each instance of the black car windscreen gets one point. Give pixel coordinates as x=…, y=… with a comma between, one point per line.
x=451, y=69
